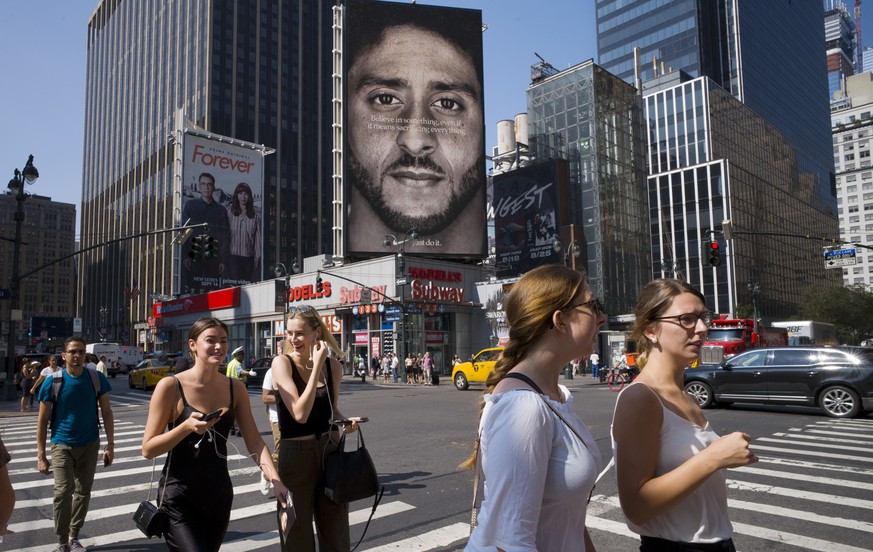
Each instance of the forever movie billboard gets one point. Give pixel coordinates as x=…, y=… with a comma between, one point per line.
x=223, y=186
x=414, y=129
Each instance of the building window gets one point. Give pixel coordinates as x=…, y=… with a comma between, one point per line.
x=864, y=154
x=849, y=157
x=851, y=189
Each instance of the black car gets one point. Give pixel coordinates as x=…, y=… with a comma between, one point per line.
x=260, y=366
x=839, y=380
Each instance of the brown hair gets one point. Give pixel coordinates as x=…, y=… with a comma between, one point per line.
x=529, y=308
x=311, y=317
x=653, y=302
x=201, y=326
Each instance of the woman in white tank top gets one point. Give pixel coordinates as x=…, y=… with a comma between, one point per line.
x=669, y=462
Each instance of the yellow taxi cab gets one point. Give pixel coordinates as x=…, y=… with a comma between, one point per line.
x=149, y=372
x=477, y=370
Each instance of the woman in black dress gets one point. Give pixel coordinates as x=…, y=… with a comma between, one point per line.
x=198, y=493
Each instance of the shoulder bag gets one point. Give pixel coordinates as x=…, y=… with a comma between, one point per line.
x=351, y=475
x=151, y=519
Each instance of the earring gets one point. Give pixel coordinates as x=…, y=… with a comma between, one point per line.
x=654, y=340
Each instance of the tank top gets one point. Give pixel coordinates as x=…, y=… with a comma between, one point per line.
x=320, y=415
x=197, y=465
x=702, y=516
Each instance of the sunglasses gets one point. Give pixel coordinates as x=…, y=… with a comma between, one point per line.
x=300, y=309
x=595, y=304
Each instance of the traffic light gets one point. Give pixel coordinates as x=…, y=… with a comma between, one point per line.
x=319, y=284
x=196, y=252
x=714, y=253
x=211, y=248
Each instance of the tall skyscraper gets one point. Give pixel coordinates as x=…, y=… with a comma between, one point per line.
x=592, y=119
x=712, y=158
x=767, y=54
x=839, y=44
x=852, y=119
x=48, y=232
x=258, y=72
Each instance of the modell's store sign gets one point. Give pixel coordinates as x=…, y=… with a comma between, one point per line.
x=309, y=291
x=430, y=284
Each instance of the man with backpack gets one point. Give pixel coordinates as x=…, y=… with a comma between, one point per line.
x=69, y=399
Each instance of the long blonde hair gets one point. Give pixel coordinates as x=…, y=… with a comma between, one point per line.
x=529, y=308
x=653, y=302
x=312, y=319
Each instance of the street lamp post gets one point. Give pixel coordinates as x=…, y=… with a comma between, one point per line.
x=400, y=283
x=279, y=270
x=16, y=188
x=570, y=255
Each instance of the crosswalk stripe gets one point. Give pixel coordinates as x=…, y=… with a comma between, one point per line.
x=814, y=465
x=271, y=538
x=830, y=455
x=789, y=513
x=443, y=536
x=819, y=439
x=793, y=540
x=835, y=433
x=805, y=444
x=805, y=477
x=805, y=495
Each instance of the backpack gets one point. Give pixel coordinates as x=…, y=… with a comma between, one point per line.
x=58, y=382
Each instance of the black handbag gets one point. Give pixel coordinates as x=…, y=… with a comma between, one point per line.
x=350, y=475
x=150, y=519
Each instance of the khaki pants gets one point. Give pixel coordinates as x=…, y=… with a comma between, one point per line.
x=74, y=469
x=300, y=468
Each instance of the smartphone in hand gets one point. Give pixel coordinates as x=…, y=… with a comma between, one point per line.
x=212, y=415
x=105, y=460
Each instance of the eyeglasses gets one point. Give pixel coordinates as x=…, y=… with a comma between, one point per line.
x=75, y=352
x=595, y=304
x=300, y=309
x=689, y=320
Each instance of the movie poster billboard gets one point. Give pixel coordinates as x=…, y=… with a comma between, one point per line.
x=222, y=185
x=528, y=217
x=414, y=129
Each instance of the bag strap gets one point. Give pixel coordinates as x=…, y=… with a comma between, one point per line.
x=169, y=454
x=376, y=502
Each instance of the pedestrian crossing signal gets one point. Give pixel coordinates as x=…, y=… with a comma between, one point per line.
x=319, y=284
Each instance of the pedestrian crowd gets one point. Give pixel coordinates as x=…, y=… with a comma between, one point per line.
x=534, y=452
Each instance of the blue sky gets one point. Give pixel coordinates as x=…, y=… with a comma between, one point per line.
x=43, y=64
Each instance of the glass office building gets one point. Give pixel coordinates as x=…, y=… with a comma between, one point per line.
x=712, y=158
x=259, y=72
x=591, y=118
x=767, y=54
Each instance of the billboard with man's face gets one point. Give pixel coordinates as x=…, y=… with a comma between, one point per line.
x=414, y=129
x=223, y=186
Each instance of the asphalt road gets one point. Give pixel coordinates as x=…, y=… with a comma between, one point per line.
x=811, y=491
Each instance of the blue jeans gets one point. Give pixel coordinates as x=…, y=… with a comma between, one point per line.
x=595, y=371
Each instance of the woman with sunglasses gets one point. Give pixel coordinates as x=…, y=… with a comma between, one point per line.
x=669, y=461
x=537, y=457
x=308, y=384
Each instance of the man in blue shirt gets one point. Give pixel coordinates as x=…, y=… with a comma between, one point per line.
x=75, y=440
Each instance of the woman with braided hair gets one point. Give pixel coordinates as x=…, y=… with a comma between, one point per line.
x=537, y=457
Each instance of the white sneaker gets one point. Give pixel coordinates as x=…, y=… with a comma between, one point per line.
x=266, y=487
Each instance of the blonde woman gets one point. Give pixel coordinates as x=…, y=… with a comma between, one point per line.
x=669, y=461
x=190, y=416
x=308, y=384
x=538, y=459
